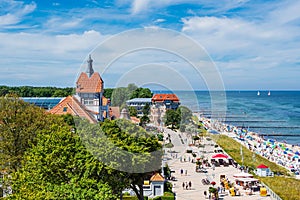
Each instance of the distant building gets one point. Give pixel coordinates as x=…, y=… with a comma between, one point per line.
x=138, y=104
x=170, y=101
x=160, y=104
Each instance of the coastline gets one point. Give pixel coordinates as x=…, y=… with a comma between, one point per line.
x=280, y=153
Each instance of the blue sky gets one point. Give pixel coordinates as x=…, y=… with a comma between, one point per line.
x=255, y=44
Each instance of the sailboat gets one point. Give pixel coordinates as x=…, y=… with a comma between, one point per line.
x=258, y=93
x=269, y=93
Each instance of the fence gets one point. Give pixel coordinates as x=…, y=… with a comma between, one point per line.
x=272, y=194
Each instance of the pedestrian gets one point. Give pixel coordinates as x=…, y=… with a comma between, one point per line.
x=190, y=184
x=186, y=185
x=183, y=185
x=186, y=172
x=181, y=171
x=213, y=166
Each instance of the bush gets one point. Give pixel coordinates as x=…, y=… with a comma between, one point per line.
x=169, y=145
x=168, y=187
x=160, y=137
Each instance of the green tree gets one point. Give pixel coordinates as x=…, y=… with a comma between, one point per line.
x=134, y=150
x=186, y=114
x=108, y=92
x=119, y=96
x=60, y=167
x=144, y=120
x=132, y=111
x=20, y=122
x=146, y=109
x=172, y=118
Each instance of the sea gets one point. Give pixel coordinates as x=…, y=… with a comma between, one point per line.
x=274, y=114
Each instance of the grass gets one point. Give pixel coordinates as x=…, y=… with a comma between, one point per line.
x=284, y=186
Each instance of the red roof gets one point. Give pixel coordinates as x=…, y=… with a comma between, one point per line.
x=94, y=84
x=70, y=105
x=163, y=97
x=157, y=178
x=261, y=166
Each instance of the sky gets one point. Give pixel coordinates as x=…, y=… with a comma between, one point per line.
x=253, y=44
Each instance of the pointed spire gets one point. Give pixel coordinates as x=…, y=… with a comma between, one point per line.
x=90, y=69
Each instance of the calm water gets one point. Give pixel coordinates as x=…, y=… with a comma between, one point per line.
x=275, y=113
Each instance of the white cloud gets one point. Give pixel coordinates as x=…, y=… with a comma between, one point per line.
x=250, y=50
x=139, y=5
x=45, y=59
x=14, y=12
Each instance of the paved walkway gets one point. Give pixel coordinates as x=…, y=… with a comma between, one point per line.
x=197, y=190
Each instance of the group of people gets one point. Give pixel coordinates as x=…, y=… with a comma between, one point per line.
x=183, y=171
x=187, y=185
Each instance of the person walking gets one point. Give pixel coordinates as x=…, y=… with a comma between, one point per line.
x=190, y=185
x=186, y=172
x=183, y=185
x=181, y=172
x=186, y=186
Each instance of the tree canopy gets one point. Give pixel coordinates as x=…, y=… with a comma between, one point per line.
x=60, y=167
x=20, y=122
x=172, y=118
x=29, y=91
x=120, y=95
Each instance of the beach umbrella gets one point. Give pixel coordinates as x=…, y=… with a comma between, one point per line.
x=296, y=156
x=285, y=152
x=213, y=183
x=219, y=155
x=297, y=153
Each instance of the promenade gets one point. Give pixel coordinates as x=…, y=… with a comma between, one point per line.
x=181, y=161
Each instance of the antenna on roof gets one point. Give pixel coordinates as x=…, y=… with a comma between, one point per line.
x=90, y=69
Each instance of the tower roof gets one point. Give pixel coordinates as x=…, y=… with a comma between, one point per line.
x=93, y=84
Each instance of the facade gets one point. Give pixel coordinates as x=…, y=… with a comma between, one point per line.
x=154, y=187
x=160, y=104
x=170, y=101
x=138, y=104
x=263, y=171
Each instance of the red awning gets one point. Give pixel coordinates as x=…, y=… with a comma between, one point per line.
x=261, y=166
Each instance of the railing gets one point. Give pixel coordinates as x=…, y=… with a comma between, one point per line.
x=272, y=194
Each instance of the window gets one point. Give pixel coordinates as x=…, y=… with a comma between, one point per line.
x=65, y=109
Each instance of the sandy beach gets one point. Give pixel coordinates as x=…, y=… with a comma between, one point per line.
x=282, y=154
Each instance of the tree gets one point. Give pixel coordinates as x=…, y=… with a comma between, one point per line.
x=186, y=114
x=60, y=167
x=108, y=92
x=20, y=122
x=119, y=96
x=146, y=109
x=128, y=148
x=172, y=118
x=144, y=120
x=132, y=111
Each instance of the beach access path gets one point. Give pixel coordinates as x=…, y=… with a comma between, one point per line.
x=182, y=161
